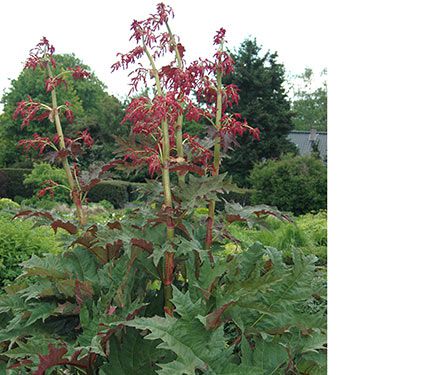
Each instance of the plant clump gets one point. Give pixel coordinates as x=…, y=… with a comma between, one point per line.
x=153, y=292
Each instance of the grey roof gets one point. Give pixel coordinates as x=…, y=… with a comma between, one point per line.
x=302, y=140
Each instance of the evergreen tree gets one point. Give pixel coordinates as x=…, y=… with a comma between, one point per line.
x=265, y=105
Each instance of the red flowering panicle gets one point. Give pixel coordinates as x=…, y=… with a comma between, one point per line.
x=232, y=124
x=195, y=113
x=176, y=80
x=30, y=110
x=68, y=112
x=199, y=154
x=175, y=97
x=146, y=115
x=148, y=27
x=79, y=73
x=128, y=58
x=41, y=55
x=152, y=40
x=137, y=75
x=37, y=143
x=219, y=36
x=206, y=91
x=163, y=13
x=145, y=156
x=52, y=83
x=224, y=62
x=230, y=96
x=49, y=186
x=86, y=138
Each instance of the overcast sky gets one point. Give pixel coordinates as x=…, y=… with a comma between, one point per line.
x=95, y=31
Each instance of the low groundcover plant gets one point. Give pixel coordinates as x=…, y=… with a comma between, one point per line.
x=156, y=293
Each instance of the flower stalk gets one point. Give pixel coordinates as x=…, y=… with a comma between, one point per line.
x=168, y=273
x=216, y=160
x=73, y=184
x=179, y=123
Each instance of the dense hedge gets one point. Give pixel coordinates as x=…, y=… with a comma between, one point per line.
x=296, y=184
x=115, y=191
x=12, y=183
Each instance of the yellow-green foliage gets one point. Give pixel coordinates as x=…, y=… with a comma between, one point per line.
x=19, y=241
x=8, y=204
x=308, y=233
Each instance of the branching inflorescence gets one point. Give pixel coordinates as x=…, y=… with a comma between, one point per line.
x=182, y=92
x=60, y=148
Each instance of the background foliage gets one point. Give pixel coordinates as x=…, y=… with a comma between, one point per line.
x=308, y=233
x=264, y=103
x=19, y=240
x=310, y=103
x=296, y=184
x=93, y=107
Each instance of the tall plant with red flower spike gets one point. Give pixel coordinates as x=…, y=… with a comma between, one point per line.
x=195, y=93
x=217, y=99
x=62, y=148
x=155, y=117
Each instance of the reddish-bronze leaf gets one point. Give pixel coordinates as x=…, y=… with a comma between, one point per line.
x=231, y=218
x=30, y=213
x=83, y=291
x=55, y=357
x=114, y=225
x=68, y=226
x=143, y=244
x=214, y=319
x=168, y=311
x=24, y=362
x=113, y=250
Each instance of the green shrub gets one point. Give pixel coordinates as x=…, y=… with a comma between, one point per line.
x=315, y=227
x=12, y=183
x=45, y=171
x=6, y=203
x=42, y=204
x=114, y=191
x=294, y=184
x=106, y=204
x=18, y=242
x=133, y=190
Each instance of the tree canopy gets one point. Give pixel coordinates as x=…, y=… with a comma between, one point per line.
x=265, y=105
x=309, y=103
x=93, y=107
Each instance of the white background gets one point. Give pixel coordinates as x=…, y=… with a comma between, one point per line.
x=96, y=30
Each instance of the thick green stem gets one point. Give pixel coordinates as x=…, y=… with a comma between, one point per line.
x=75, y=192
x=179, y=123
x=217, y=156
x=168, y=203
x=179, y=147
